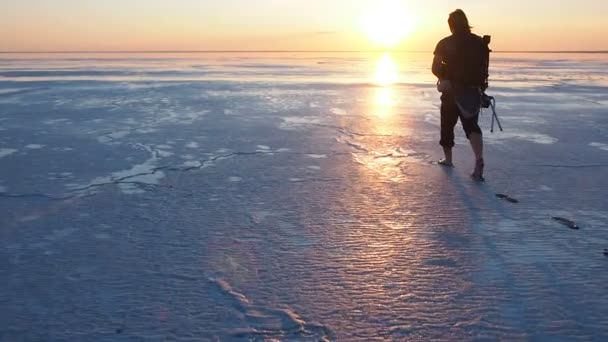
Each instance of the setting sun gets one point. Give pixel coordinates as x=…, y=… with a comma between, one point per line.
x=387, y=23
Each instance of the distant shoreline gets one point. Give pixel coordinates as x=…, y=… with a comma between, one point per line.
x=283, y=51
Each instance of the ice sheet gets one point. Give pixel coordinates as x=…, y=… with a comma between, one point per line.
x=295, y=197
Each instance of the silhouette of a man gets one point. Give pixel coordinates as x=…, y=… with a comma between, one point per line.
x=460, y=63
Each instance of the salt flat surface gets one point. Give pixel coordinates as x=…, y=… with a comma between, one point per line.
x=260, y=197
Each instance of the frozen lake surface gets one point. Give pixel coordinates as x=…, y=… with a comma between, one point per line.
x=294, y=197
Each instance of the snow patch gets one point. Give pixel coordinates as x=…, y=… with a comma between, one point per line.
x=11, y=90
x=147, y=130
x=292, y=123
x=338, y=111
x=63, y=149
x=601, y=146
x=129, y=181
x=317, y=156
x=56, y=121
x=34, y=146
x=165, y=153
x=537, y=138
x=6, y=151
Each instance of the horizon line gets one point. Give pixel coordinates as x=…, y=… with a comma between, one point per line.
x=287, y=51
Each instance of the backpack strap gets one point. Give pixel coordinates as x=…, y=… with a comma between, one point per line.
x=486, y=41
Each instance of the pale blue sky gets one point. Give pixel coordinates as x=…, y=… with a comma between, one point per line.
x=289, y=24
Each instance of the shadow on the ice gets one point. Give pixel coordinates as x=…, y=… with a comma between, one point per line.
x=473, y=194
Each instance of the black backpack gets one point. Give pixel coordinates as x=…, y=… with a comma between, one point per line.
x=469, y=61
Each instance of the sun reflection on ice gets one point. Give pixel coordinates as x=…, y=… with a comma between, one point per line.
x=387, y=74
x=385, y=98
x=384, y=124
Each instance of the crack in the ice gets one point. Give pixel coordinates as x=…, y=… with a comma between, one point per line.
x=122, y=180
x=345, y=130
x=129, y=130
x=45, y=196
x=220, y=157
x=79, y=192
x=109, y=135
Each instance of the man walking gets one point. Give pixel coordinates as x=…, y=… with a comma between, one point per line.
x=461, y=65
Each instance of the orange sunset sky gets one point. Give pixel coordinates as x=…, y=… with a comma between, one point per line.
x=188, y=25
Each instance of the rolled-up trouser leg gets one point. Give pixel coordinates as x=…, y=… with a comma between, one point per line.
x=449, y=118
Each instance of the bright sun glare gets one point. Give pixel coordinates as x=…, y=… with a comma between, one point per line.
x=387, y=72
x=387, y=23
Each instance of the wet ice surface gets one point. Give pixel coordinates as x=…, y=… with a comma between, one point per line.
x=294, y=197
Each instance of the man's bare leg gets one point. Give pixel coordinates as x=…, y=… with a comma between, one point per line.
x=447, y=161
x=476, y=140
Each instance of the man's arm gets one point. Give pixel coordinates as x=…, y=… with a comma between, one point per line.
x=438, y=67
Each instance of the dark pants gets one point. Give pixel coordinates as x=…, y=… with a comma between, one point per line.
x=449, y=117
